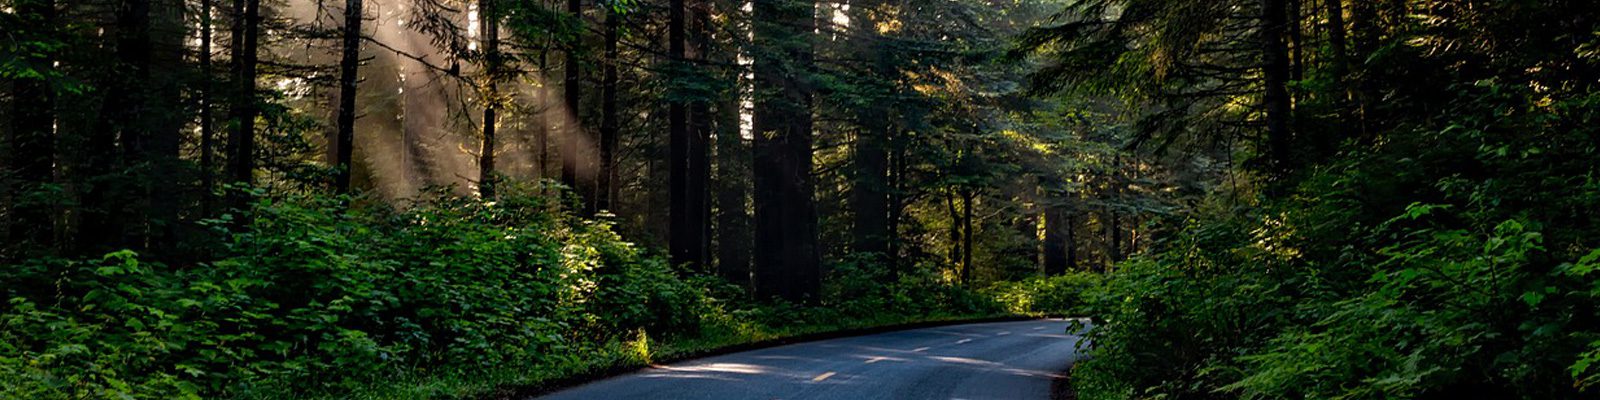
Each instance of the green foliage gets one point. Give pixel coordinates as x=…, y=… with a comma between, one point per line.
x=327, y=295
x=1474, y=287
x=1053, y=295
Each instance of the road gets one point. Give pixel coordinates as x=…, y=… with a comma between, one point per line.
x=1003, y=360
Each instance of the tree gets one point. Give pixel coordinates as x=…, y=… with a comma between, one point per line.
x=870, y=187
x=1275, y=67
x=242, y=111
x=572, y=89
x=787, y=261
x=344, y=143
x=490, y=16
x=610, y=123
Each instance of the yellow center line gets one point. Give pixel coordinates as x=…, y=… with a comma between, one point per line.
x=824, y=375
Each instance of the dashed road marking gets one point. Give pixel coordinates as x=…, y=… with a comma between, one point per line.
x=963, y=341
x=822, y=377
x=920, y=349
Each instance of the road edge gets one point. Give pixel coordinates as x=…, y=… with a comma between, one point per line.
x=529, y=391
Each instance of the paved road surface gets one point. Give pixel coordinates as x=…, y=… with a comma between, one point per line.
x=1003, y=360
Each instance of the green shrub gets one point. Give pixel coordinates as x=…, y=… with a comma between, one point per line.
x=326, y=296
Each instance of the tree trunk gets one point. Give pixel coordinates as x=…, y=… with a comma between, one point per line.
x=33, y=139
x=1055, y=241
x=162, y=127
x=955, y=226
x=787, y=263
x=966, y=240
x=869, y=191
x=733, y=195
x=700, y=137
x=344, y=143
x=490, y=18
x=609, y=123
x=682, y=236
x=208, y=133
x=242, y=113
x=1337, y=44
x=1275, y=61
x=1070, y=239
x=573, y=91
x=1297, y=59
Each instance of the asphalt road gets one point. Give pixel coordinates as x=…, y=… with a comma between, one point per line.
x=1003, y=360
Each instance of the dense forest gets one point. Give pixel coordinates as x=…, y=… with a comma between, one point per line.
x=1271, y=199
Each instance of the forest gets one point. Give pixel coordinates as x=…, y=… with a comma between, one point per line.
x=1259, y=199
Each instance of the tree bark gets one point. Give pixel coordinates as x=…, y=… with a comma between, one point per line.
x=610, y=125
x=1275, y=61
x=570, y=148
x=1337, y=44
x=966, y=241
x=208, y=133
x=869, y=191
x=700, y=136
x=242, y=113
x=787, y=263
x=344, y=143
x=682, y=235
x=1055, y=245
x=490, y=18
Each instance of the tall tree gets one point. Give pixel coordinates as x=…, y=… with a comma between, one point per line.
x=787, y=262
x=732, y=181
x=610, y=123
x=242, y=112
x=681, y=243
x=490, y=17
x=1275, y=65
x=349, y=63
x=208, y=130
x=870, y=188
x=573, y=91
x=700, y=125
x=1057, y=239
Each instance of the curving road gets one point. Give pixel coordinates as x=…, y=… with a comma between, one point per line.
x=1003, y=360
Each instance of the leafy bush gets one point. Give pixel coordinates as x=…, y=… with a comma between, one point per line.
x=1053, y=295
x=1449, y=262
x=325, y=295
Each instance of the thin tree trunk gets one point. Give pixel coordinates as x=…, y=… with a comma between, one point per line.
x=1297, y=58
x=344, y=144
x=966, y=240
x=491, y=45
x=573, y=90
x=208, y=133
x=1337, y=44
x=955, y=226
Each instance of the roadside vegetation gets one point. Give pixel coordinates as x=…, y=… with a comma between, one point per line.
x=1423, y=225
x=344, y=297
